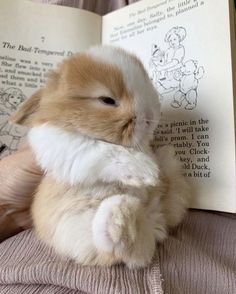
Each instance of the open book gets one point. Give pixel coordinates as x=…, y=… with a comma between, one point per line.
x=186, y=47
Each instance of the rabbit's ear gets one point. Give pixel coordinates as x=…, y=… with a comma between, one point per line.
x=25, y=113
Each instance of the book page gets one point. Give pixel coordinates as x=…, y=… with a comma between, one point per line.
x=185, y=47
x=34, y=38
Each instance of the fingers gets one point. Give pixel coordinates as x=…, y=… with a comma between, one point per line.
x=19, y=177
x=13, y=223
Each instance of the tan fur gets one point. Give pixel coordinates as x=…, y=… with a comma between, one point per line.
x=55, y=199
x=130, y=221
x=27, y=110
x=68, y=101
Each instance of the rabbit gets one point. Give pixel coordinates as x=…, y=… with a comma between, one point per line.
x=106, y=197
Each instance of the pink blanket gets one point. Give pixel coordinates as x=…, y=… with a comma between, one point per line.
x=26, y=261
x=199, y=257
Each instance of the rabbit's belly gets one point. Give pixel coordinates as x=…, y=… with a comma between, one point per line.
x=73, y=236
x=120, y=224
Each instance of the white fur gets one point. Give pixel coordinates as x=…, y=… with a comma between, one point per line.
x=73, y=235
x=147, y=105
x=101, y=220
x=125, y=220
x=122, y=225
x=76, y=158
x=117, y=222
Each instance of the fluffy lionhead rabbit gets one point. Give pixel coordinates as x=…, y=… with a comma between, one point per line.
x=106, y=197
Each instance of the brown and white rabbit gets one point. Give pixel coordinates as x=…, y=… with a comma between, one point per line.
x=106, y=197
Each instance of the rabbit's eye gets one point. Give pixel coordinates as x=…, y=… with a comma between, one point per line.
x=108, y=101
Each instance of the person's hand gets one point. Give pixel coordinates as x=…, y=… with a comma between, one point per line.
x=19, y=178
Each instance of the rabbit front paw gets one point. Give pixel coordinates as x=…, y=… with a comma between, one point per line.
x=114, y=224
x=123, y=229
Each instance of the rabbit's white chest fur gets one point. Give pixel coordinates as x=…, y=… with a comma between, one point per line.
x=78, y=159
x=99, y=221
x=123, y=213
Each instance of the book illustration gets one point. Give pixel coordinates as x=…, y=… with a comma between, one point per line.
x=173, y=76
x=10, y=135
